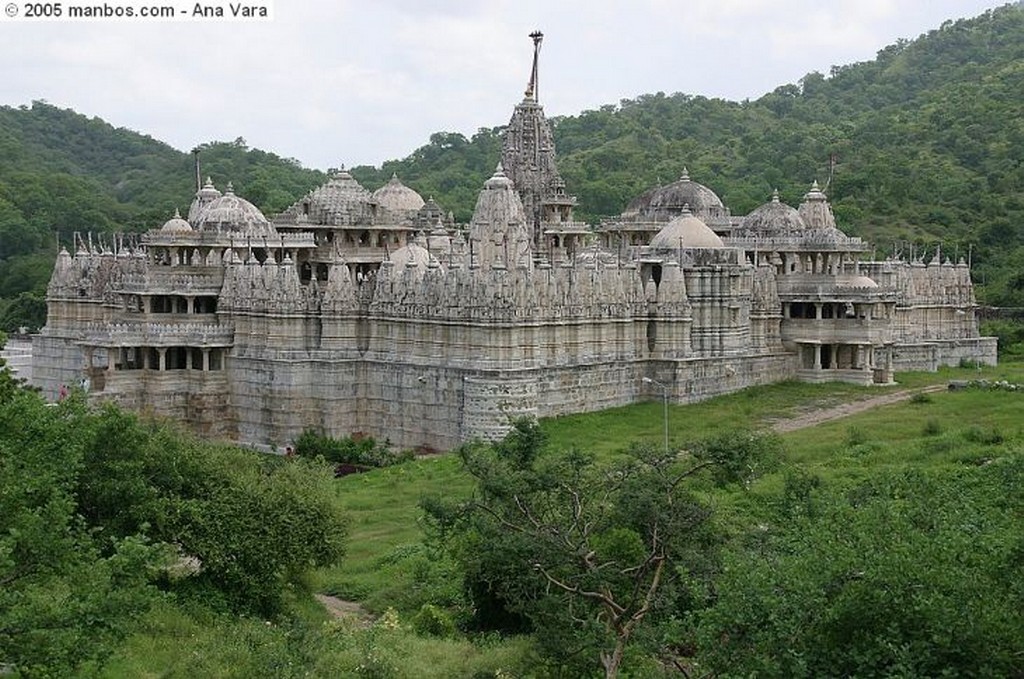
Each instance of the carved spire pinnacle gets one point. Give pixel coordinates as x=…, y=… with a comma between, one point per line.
x=533, y=86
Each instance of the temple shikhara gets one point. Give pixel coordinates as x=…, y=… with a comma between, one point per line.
x=373, y=312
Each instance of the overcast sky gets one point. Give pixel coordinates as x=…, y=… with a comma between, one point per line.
x=346, y=82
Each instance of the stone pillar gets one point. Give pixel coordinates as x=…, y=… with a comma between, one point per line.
x=817, y=357
x=110, y=358
x=163, y=358
x=206, y=360
x=834, y=359
x=854, y=355
x=817, y=310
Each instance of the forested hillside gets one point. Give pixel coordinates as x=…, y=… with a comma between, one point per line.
x=62, y=172
x=927, y=141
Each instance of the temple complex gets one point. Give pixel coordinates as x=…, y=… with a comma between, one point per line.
x=374, y=312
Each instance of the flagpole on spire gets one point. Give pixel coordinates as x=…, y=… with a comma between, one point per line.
x=534, y=85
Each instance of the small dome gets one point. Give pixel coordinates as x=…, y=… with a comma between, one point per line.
x=176, y=225
x=233, y=213
x=397, y=197
x=668, y=201
x=855, y=282
x=774, y=217
x=686, y=231
x=411, y=255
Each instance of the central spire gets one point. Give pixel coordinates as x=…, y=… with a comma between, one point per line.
x=533, y=86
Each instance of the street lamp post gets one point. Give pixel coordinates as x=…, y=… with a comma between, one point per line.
x=664, y=395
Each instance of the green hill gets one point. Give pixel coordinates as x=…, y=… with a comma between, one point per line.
x=922, y=145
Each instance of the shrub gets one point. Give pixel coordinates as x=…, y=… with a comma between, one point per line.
x=366, y=451
x=432, y=621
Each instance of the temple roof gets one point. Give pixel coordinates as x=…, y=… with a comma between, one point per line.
x=772, y=218
x=669, y=200
x=233, y=213
x=686, y=231
x=397, y=197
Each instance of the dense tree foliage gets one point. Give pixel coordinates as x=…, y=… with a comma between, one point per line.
x=586, y=555
x=907, y=574
x=101, y=515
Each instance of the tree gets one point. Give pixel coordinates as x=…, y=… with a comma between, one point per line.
x=907, y=574
x=584, y=554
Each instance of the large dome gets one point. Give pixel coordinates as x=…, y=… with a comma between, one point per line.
x=772, y=218
x=686, y=231
x=397, y=197
x=231, y=213
x=668, y=201
x=342, y=200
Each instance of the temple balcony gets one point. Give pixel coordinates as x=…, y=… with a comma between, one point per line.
x=841, y=330
x=178, y=280
x=159, y=335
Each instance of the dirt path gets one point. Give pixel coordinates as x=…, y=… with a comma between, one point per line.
x=814, y=417
x=345, y=610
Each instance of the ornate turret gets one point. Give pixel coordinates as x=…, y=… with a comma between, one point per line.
x=499, y=234
x=815, y=210
x=528, y=156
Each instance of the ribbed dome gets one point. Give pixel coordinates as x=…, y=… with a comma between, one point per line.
x=397, y=197
x=342, y=200
x=233, y=213
x=774, y=217
x=667, y=201
x=686, y=231
x=176, y=225
x=411, y=255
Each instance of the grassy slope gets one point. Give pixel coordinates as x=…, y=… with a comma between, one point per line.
x=951, y=428
x=383, y=503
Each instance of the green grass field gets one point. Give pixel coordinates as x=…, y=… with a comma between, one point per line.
x=383, y=504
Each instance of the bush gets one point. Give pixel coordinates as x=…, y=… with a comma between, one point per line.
x=365, y=451
x=432, y=621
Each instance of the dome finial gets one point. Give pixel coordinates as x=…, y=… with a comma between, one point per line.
x=775, y=196
x=685, y=176
x=230, y=188
x=686, y=210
